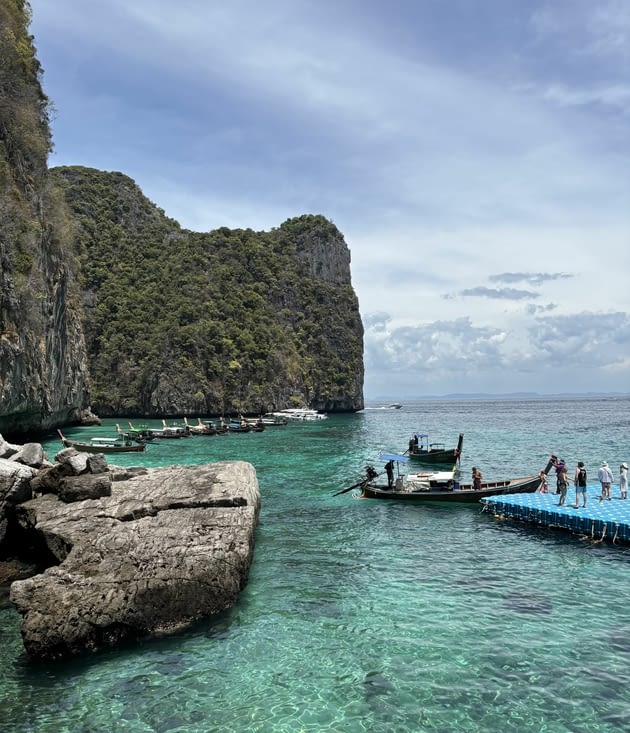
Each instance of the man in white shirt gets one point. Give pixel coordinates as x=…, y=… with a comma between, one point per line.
x=604, y=476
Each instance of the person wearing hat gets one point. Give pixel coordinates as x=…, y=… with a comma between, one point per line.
x=562, y=482
x=623, y=480
x=579, y=482
x=561, y=477
x=605, y=478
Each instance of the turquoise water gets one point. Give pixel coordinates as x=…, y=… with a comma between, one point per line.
x=370, y=616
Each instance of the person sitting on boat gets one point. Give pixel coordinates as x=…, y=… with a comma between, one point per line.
x=370, y=474
x=543, y=488
x=476, y=478
x=389, y=468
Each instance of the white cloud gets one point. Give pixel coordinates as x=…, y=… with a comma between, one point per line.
x=454, y=159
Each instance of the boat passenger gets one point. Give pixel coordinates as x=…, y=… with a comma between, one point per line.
x=476, y=478
x=389, y=467
x=544, y=488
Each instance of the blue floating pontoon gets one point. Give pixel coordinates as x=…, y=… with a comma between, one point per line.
x=609, y=520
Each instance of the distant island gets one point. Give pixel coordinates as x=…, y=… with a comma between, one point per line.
x=495, y=396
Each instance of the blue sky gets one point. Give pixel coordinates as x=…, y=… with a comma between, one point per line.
x=475, y=154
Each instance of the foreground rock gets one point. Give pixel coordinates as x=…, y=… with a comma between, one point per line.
x=161, y=551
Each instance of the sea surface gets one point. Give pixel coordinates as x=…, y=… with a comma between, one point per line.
x=373, y=616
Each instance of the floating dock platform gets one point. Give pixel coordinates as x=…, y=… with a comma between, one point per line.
x=601, y=520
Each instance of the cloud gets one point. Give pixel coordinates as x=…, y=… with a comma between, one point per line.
x=559, y=353
x=499, y=293
x=475, y=158
x=532, y=309
x=533, y=278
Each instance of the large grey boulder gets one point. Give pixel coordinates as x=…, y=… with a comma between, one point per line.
x=15, y=487
x=165, y=549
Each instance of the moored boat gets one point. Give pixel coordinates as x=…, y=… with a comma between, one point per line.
x=273, y=419
x=239, y=426
x=103, y=445
x=421, y=450
x=442, y=486
x=201, y=428
x=301, y=413
x=174, y=431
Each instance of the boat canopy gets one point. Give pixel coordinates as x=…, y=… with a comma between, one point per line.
x=393, y=457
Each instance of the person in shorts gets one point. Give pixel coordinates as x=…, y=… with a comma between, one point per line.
x=562, y=482
x=605, y=478
x=579, y=482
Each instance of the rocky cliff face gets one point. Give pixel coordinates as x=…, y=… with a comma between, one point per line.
x=106, y=301
x=43, y=366
x=228, y=321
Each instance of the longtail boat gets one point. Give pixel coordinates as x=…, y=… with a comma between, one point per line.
x=421, y=450
x=103, y=445
x=441, y=486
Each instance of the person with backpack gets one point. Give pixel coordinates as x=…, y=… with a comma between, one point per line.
x=580, y=484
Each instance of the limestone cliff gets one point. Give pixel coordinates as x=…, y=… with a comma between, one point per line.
x=43, y=367
x=227, y=321
x=106, y=301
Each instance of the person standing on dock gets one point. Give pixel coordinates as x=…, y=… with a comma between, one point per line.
x=605, y=478
x=560, y=467
x=623, y=480
x=580, y=484
x=563, y=482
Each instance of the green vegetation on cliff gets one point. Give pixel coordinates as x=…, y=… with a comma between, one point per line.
x=105, y=299
x=43, y=378
x=179, y=322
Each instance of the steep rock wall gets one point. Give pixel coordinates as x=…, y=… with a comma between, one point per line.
x=43, y=367
x=222, y=322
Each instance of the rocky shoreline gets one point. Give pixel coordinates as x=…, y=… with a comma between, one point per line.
x=130, y=553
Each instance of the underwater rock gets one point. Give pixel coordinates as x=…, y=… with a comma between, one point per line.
x=528, y=603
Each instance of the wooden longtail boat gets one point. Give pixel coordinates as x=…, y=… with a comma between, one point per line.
x=433, y=453
x=442, y=486
x=102, y=445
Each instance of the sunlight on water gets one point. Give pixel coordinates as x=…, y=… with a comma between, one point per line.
x=367, y=616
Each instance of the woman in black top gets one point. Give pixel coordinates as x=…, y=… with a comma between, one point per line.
x=580, y=484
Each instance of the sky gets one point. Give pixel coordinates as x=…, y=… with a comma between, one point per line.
x=475, y=155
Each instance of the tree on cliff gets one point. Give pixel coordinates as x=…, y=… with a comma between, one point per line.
x=180, y=322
